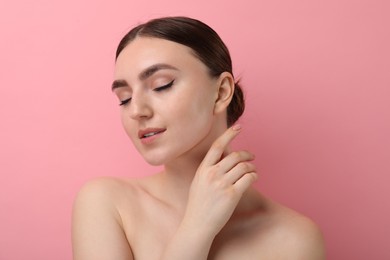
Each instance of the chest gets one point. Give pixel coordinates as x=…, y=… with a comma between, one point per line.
x=152, y=233
x=151, y=245
x=150, y=225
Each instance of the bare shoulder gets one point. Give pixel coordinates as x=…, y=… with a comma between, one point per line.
x=105, y=189
x=103, y=194
x=97, y=228
x=297, y=235
x=105, y=197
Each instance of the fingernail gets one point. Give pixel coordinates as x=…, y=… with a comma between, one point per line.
x=236, y=127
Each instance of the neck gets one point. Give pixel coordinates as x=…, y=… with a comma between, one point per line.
x=177, y=178
x=179, y=173
x=175, y=181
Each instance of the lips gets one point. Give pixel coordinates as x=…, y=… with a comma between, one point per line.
x=148, y=132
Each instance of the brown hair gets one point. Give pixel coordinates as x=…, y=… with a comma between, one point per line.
x=205, y=43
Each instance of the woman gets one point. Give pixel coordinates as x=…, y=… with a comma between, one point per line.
x=179, y=103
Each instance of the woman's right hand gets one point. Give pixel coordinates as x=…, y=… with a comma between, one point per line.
x=218, y=185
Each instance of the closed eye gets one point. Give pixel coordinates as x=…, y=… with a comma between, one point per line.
x=165, y=86
x=124, y=102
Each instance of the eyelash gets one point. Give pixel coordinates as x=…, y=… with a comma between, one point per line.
x=165, y=86
x=124, y=102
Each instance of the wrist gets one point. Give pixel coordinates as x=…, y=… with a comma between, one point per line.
x=188, y=242
x=197, y=232
x=198, y=227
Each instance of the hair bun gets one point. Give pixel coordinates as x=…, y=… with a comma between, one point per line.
x=237, y=105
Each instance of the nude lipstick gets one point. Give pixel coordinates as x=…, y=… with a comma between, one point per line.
x=148, y=135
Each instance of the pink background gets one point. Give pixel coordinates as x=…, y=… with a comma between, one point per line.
x=317, y=81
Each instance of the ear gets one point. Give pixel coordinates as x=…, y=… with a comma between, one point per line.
x=225, y=92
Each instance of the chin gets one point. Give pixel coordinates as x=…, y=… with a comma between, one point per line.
x=162, y=157
x=154, y=162
x=155, y=159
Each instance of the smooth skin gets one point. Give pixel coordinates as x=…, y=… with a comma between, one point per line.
x=202, y=205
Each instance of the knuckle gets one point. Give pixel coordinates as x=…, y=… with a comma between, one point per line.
x=220, y=184
x=212, y=172
x=236, y=155
x=249, y=155
x=247, y=166
x=215, y=169
x=253, y=177
x=218, y=146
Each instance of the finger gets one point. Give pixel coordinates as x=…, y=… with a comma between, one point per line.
x=226, y=152
x=245, y=182
x=230, y=161
x=239, y=171
x=218, y=147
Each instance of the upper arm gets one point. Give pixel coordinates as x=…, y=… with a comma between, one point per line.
x=97, y=231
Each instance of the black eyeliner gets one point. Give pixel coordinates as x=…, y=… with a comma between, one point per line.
x=124, y=102
x=165, y=86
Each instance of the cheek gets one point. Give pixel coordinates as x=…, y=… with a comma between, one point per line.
x=194, y=107
x=194, y=115
x=128, y=126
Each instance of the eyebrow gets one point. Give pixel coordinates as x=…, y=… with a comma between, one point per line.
x=148, y=72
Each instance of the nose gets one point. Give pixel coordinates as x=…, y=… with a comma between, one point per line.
x=139, y=107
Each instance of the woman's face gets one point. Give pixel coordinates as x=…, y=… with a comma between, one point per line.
x=167, y=99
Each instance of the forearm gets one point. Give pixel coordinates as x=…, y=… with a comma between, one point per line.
x=189, y=244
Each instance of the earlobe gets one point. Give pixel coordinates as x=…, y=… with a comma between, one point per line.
x=225, y=92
